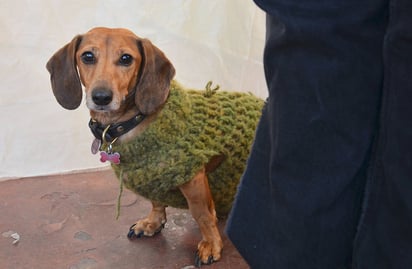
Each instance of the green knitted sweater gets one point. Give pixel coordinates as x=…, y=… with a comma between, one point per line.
x=192, y=127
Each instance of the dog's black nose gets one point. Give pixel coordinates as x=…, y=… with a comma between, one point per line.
x=102, y=96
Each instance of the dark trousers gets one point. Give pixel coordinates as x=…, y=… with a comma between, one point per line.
x=328, y=184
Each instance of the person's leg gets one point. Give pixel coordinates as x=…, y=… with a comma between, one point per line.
x=299, y=200
x=385, y=232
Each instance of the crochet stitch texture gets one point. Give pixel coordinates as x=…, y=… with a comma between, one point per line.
x=192, y=127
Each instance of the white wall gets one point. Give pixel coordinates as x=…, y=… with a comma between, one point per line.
x=219, y=40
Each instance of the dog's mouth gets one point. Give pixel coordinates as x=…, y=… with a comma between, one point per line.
x=109, y=108
x=96, y=107
x=100, y=108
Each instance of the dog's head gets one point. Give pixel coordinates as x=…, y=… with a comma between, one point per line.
x=113, y=65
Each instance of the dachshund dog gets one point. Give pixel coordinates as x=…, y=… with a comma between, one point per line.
x=124, y=76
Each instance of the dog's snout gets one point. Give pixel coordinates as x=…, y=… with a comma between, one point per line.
x=102, y=96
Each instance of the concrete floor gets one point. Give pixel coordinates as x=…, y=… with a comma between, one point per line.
x=68, y=221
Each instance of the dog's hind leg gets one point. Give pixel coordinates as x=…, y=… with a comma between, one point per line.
x=201, y=206
x=150, y=225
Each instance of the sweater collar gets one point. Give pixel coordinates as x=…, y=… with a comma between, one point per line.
x=115, y=130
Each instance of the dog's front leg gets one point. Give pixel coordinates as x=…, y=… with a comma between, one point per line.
x=201, y=206
x=150, y=225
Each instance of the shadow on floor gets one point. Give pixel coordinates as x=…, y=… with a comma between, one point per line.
x=68, y=221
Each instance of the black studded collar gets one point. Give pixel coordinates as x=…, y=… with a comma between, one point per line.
x=115, y=130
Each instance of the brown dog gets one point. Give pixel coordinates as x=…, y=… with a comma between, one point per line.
x=124, y=76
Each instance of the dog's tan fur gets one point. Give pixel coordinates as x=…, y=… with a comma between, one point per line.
x=151, y=91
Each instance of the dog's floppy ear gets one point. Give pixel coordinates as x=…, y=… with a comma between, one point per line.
x=64, y=78
x=157, y=72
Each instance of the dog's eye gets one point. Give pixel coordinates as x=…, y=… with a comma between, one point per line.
x=126, y=59
x=88, y=57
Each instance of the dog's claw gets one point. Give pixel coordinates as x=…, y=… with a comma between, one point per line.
x=198, y=260
x=132, y=233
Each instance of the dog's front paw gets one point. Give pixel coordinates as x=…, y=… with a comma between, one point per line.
x=144, y=228
x=207, y=253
